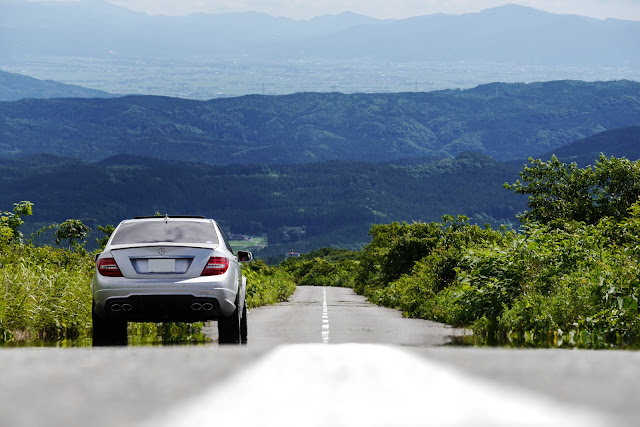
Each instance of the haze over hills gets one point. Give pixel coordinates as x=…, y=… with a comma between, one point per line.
x=54, y=28
x=504, y=34
x=15, y=86
x=507, y=34
x=201, y=56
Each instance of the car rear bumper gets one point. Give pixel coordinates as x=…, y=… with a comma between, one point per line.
x=151, y=302
x=161, y=308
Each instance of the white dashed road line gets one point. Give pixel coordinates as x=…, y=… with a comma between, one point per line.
x=325, y=317
x=366, y=385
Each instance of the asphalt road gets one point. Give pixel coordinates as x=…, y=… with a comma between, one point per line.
x=324, y=358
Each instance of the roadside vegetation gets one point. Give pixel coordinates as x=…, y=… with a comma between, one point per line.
x=568, y=277
x=267, y=284
x=45, y=291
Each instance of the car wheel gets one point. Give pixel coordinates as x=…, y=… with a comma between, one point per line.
x=229, y=328
x=108, y=332
x=243, y=325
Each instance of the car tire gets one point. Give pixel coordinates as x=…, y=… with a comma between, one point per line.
x=229, y=328
x=106, y=333
x=243, y=325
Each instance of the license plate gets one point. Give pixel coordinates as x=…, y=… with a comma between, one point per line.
x=161, y=265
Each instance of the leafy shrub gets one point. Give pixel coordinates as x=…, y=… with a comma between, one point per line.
x=324, y=267
x=570, y=276
x=267, y=285
x=560, y=192
x=414, y=273
x=392, y=252
x=10, y=222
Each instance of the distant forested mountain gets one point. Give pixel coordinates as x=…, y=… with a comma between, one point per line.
x=16, y=86
x=504, y=121
x=302, y=206
x=623, y=142
x=52, y=29
x=506, y=34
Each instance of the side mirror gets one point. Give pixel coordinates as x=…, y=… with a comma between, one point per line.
x=245, y=256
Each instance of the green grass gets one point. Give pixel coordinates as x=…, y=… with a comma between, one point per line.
x=256, y=243
x=45, y=294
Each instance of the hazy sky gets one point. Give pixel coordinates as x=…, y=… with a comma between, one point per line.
x=304, y=9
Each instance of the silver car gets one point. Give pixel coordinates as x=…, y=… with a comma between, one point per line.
x=168, y=269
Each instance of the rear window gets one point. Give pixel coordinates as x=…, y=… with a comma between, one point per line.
x=165, y=232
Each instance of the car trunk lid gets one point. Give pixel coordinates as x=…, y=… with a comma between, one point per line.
x=161, y=261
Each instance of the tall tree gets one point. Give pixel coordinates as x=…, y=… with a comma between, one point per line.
x=560, y=192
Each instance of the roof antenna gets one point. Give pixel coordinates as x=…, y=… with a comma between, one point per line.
x=166, y=218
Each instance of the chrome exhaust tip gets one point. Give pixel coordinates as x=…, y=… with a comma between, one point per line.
x=196, y=306
x=116, y=307
x=207, y=306
x=127, y=307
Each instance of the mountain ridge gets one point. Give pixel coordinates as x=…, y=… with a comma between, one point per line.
x=34, y=28
x=15, y=86
x=305, y=206
x=620, y=142
x=504, y=121
x=323, y=204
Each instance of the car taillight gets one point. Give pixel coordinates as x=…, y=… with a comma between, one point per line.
x=216, y=265
x=108, y=267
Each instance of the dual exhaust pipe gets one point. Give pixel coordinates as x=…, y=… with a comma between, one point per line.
x=207, y=306
x=196, y=306
x=121, y=307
